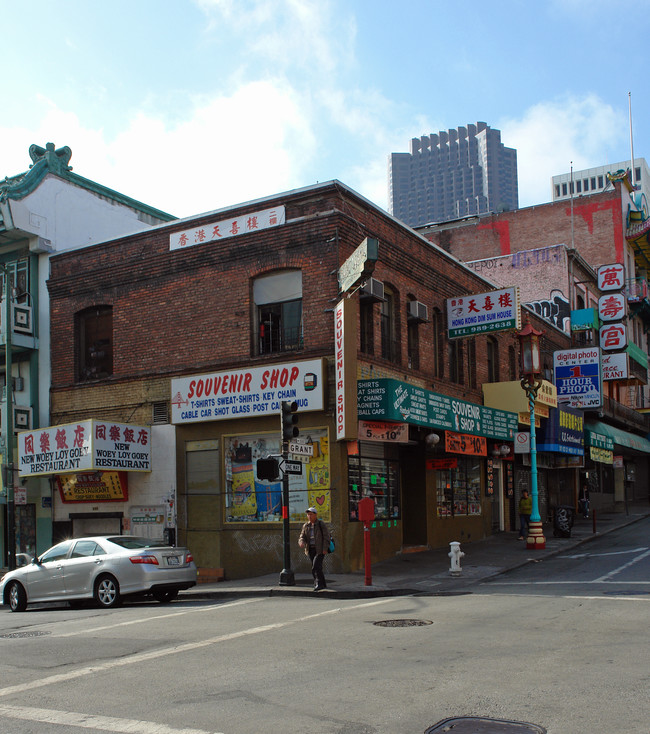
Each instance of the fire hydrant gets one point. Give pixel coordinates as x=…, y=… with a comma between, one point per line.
x=455, y=554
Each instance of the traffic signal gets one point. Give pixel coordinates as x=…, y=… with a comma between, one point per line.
x=289, y=420
x=268, y=468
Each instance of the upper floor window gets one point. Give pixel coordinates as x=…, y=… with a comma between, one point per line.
x=366, y=326
x=455, y=353
x=438, y=352
x=95, y=343
x=389, y=344
x=278, y=307
x=512, y=363
x=492, y=360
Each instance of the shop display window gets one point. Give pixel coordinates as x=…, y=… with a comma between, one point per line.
x=249, y=499
x=370, y=474
x=458, y=490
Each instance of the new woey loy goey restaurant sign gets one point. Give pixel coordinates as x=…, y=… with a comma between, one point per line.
x=247, y=393
x=90, y=445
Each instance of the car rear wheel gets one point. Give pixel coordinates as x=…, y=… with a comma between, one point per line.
x=164, y=597
x=107, y=592
x=17, y=597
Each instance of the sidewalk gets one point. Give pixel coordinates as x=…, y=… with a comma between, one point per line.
x=427, y=571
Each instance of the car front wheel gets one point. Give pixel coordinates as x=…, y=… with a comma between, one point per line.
x=17, y=598
x=107, y=592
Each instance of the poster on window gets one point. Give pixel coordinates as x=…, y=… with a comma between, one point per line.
x=249, y=499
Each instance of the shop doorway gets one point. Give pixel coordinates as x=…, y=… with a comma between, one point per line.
x=495, y=474
x=414, y=498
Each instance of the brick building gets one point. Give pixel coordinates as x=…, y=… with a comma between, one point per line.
x=215, y=319
x=553, y=252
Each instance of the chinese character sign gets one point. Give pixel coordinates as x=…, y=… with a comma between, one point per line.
x=613, y=336
x=89, y=445
x=225, y=228
x=483, y=312
x=612, y=307
x=611, y=277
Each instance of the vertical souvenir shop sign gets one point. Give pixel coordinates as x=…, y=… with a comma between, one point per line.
x=345, y=335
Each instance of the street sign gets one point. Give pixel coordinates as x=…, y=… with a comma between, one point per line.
x=292, y=467
x=301, y=449
x=300, y=458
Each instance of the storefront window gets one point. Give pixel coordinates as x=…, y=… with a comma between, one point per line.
x=249, y=499
x=459, y=489
x=372, y=475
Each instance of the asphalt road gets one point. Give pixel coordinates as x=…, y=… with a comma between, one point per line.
x=561, y=643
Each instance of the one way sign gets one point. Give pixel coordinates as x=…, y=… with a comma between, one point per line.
x=292, y=467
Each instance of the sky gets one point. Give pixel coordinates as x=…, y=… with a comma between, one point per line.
x=194, y=105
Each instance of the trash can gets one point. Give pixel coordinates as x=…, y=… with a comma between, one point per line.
x=563, y=519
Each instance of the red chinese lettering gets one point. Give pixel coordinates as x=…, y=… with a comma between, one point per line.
x=29, y=444
x=100, y=430
x=471, y=308
x=61, y=440
x=488, y=304
x=79, y=436
x=129, y=436
x=505, y=300
x=216, y=231
x=234, y=229
x=44, y=441
x=143, y=437
x=114, y=433
x=199, y=235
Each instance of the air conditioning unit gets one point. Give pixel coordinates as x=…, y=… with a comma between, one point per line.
x=418, y=311
x=22, y=317
x=372, y=290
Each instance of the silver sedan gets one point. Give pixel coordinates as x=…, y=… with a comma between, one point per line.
x=101, y=568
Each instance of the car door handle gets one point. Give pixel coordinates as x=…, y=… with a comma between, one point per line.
x=98, y=561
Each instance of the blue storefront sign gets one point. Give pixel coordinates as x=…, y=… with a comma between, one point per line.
x=563, y=432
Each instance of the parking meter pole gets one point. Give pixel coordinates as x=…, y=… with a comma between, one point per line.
x=366, y=510
x=287, y=577
x=366, y=555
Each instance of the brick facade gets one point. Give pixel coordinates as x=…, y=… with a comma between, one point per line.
x=191, y=311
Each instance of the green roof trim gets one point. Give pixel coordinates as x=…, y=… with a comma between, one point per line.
x=56, y=161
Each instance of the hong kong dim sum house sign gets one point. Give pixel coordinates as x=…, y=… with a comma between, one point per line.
x=90, y=445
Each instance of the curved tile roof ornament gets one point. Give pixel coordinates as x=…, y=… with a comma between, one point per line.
x=57, y=160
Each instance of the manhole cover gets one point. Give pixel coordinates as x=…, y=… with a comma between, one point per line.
x=402, y=623
x=480, y=725
x=12, y=635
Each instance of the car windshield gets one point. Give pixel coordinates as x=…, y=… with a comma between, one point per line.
x=131, y=542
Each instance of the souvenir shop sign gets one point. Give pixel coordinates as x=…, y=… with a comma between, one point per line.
x=247, y=393
x=110, y=486
x=225, y=228
x=483, y=312
x=383, y=431
x=462, y=443
x=392, y=400
x=90, y=445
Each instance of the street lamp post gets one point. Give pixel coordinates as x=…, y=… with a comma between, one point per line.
x=531, y=371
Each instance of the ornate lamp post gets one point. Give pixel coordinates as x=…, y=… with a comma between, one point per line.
x=531, y=370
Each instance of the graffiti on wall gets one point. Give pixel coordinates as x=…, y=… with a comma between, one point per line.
x=556, y=310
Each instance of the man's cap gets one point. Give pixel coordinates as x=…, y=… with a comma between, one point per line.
x=312, y=509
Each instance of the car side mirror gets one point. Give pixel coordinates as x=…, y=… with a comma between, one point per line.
x=36, y=560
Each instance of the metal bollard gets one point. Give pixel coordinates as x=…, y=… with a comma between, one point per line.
x=455, y=554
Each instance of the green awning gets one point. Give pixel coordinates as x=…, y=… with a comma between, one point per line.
x=621, y=438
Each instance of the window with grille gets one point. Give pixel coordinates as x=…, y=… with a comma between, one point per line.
x=278, y=305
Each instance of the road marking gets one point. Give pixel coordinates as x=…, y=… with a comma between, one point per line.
x=175, y=649
x=146, y=620
x=600, y=555
x=622, y=568
x=568, y=583
x=90, y=721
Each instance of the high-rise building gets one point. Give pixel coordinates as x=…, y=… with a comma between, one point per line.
x=453, y=174
x=594, y=180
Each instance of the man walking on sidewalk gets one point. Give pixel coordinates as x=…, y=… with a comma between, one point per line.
x=315, y=538
x=525, y=511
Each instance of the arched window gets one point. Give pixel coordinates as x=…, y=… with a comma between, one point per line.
x=94, y=333
x=278, y=311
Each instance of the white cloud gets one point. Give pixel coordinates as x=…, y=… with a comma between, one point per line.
x=551, y=135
